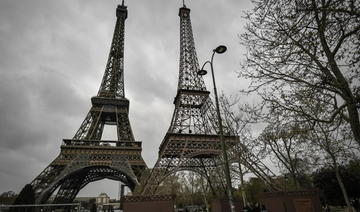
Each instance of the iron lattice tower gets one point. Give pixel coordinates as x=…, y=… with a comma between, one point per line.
x=192, y=141
x=86, y=158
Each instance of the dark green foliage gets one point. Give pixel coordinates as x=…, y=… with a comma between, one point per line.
x=7, y=198
x=325, y=180
x=88, y=204
x=93, y=208
x=352, y=179
x=253, y=188
x=304, y=181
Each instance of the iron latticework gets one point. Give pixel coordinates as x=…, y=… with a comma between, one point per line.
x=192, y=102
x=86, y=158
x=192, y=141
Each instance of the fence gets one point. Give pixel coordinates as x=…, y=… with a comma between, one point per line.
x=69, y=207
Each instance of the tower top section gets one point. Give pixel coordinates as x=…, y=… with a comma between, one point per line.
x=121, y=11
x=188, y=67
x=184, y=12
x=112, y=85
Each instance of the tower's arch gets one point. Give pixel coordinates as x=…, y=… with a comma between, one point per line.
x=70, y=184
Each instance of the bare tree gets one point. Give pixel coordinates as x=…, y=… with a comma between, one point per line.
x=305, y=53
x=246, y=156
x=288, y=145
x=337, y=145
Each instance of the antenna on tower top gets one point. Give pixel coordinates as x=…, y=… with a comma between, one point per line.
x=184, y=3
x=122, y=3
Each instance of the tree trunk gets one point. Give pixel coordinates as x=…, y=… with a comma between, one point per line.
x=207, y=206
x=295, y=179
x=343, y=190
x=203, y=191
x=242, y=184
x=354, y=121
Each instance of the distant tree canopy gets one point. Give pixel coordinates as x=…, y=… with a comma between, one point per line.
x=325, y=180
x=7, y=198
x=93, y=208
x=253, y=188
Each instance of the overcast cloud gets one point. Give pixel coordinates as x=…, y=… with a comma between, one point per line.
x=52, y=58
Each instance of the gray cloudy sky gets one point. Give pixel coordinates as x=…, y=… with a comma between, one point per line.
x=52, y=58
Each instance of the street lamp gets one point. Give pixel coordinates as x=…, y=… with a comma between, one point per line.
x=219, y=50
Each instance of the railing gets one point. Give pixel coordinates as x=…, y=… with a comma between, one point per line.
x=74, y=207
x=105, y=143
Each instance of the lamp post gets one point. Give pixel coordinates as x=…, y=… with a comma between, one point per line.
x=219, y=50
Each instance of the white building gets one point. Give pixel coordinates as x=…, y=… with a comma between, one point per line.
x=102, y=199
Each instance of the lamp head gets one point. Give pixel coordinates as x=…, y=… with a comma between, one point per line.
x=202, y=72
x=220, y=49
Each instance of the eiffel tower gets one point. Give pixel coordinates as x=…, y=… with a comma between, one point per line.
x=86, y=158
x=192, y=141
